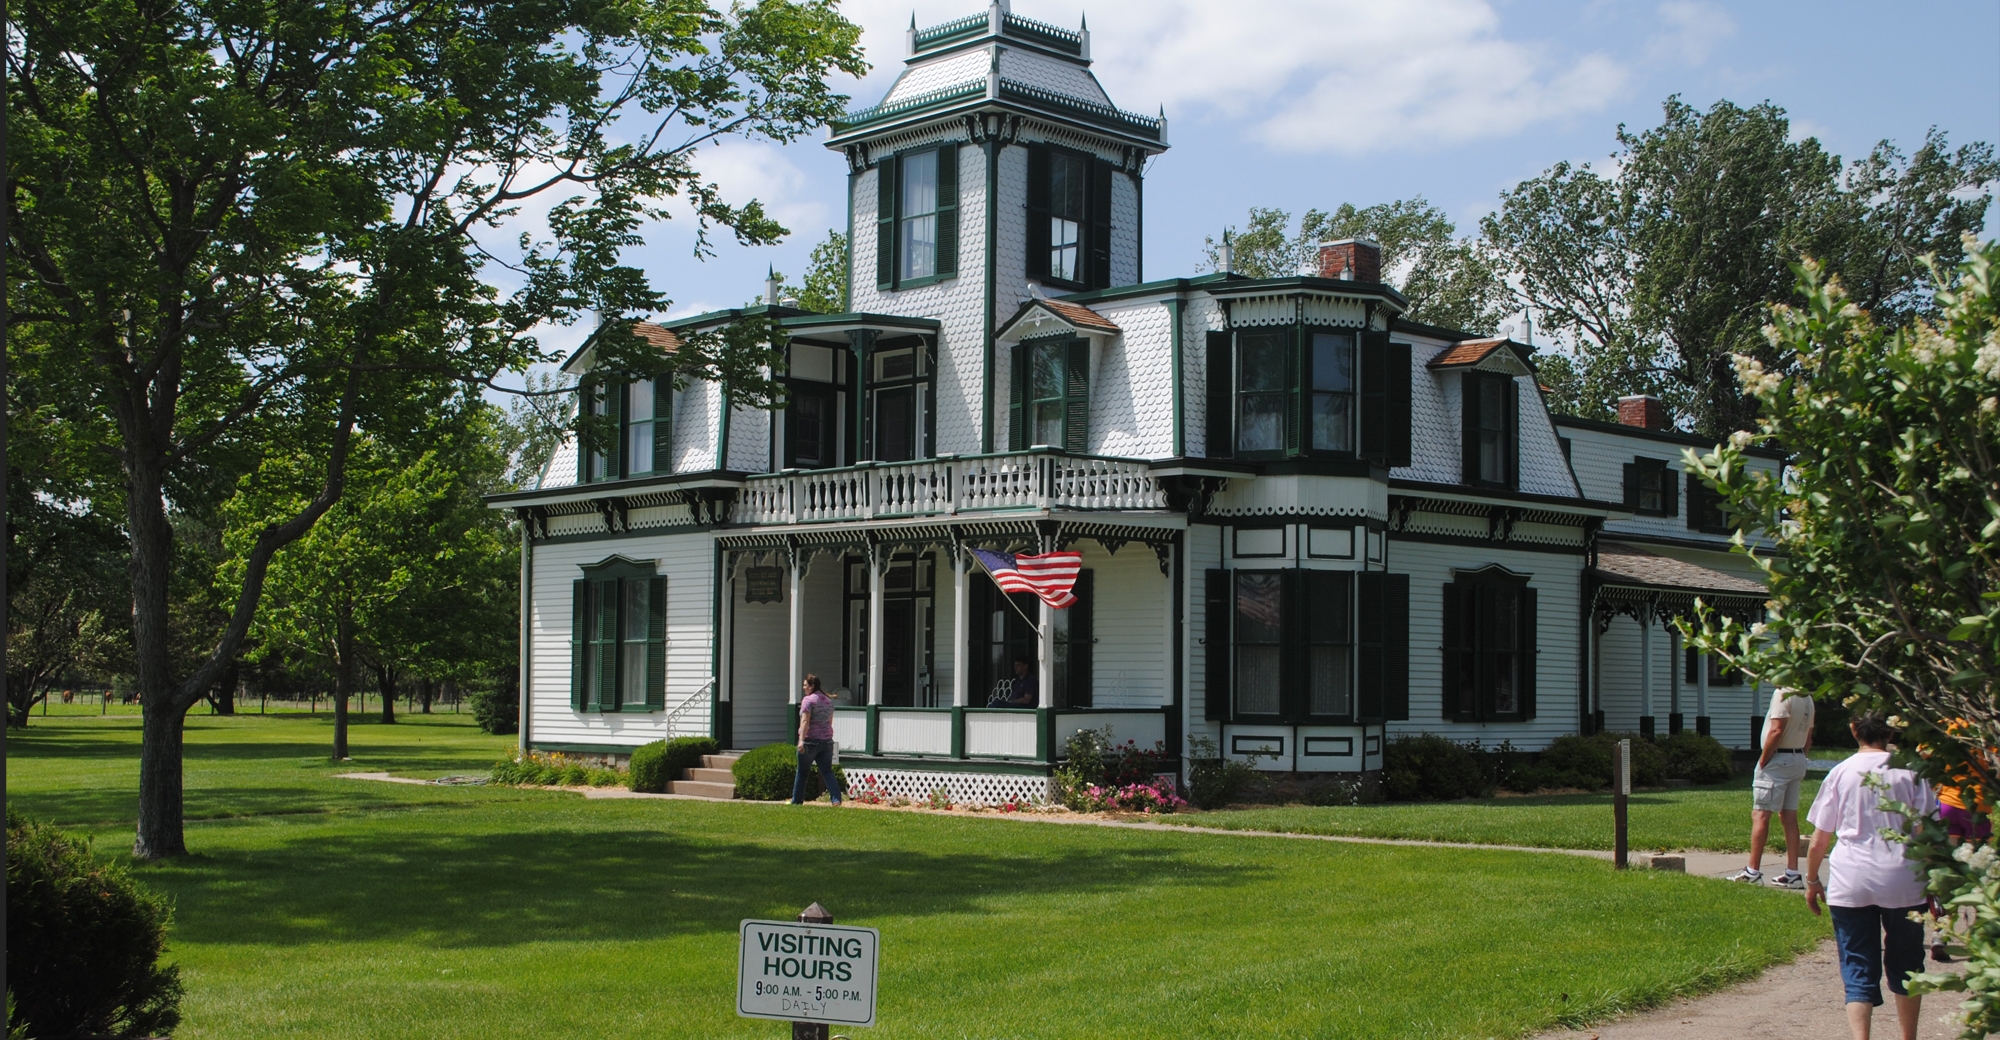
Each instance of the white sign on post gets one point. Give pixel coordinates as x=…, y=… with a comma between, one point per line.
x=800, y=972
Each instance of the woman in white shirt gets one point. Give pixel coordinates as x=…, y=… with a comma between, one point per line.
x=1872, y=888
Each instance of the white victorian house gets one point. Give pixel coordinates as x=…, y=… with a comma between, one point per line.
x=1307, y=524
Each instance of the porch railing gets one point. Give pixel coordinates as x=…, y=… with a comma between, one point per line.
x=1025, y=734
x=947, y=485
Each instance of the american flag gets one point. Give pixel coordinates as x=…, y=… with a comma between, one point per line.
x=1050, y=575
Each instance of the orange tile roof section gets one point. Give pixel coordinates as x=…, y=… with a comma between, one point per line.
x=1465, y=352
x=658, y=335
x=1079, y=315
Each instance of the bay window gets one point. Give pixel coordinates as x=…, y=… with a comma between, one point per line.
x=1489, y=647
x=628, y=429
x=1307, y=646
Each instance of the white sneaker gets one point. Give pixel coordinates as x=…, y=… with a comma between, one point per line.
x=1748, y=876
x=1789, y=879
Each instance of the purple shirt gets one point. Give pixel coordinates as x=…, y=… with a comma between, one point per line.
x=817, y=710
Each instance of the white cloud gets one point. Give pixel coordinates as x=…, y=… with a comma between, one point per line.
x=1309, y=75
x=1692, y=31
x=764, y=171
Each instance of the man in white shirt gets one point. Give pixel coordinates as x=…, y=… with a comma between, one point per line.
x=1872, y=889
x=1780, y=769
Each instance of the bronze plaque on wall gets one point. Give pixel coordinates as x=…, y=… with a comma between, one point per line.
x=763, y=584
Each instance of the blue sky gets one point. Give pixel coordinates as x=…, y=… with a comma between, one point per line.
x=1302, y=103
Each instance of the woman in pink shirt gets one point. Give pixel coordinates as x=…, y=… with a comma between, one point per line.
x=815, y=741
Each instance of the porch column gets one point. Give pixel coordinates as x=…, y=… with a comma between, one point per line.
x=1673, y=681
x=961, y=633
x=876, y=566
x=1596, y=672
x=1646, y=670
x=726, y=660
x=1045, y=654
x=1701, y=694
x=795, y=637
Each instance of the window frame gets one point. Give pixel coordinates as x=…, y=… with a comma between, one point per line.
x=1706, y=510
x=1298, y=633
x=598, y=641
x=1636, y=474
x=1298, y=392
x=609, y=400
x=1072, y=356
x=1468, y=629
x=1092, y=247
x=890, y=218
x=922, y=385
x=1474, y=425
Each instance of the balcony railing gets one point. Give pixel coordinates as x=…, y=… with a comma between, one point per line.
x=949, y=485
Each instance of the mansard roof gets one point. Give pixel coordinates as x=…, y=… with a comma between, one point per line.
x=998, y=61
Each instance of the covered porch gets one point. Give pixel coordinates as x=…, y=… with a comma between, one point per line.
x=940, y=679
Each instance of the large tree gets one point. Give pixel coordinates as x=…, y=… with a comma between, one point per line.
x=1655, y=277
x=257, y=228
x=1448, y=280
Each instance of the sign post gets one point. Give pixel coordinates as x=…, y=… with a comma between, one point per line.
x=808, y=973
x=1622, y=789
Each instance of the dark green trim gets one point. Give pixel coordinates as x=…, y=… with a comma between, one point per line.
x=1005, y=766
x=586, y=749
x=1309, y=466
x=872, y=743
x=600, y=536
x=810, y=322
x=1307, y=283
x=1502, y=494
x=918, y=283
x=988, y=304
x=1690, y=440
x=721, y=713
x=617, y=488
x=1719, y=547
x=941, y=111
x=957, y=732
x=1045, y=734
x=1177, y=709
x=847, y=296
x=616, y=566
x=1488, y=543
x=1163, y=287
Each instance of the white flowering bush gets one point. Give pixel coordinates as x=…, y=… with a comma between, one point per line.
x=1885, y=582
x=1964, y=879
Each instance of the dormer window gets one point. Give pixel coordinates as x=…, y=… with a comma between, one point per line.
x=1352, y=388
x=1650, y=488
x=1491, y=424
x=631, y=432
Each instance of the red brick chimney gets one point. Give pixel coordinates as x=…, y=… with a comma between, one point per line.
x=1644, y=411
x=1359, y=259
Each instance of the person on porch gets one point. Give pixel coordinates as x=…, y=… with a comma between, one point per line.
x=1023, y=692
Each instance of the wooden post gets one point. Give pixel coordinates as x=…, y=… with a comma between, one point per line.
x=1621, y=790
x=814, y=914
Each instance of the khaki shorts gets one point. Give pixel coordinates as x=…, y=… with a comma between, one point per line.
x=1776, y=786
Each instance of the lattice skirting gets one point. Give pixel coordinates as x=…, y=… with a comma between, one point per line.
x=964, y=788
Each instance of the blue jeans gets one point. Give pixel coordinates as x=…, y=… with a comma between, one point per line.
x=1869, y=936
x=816, y=753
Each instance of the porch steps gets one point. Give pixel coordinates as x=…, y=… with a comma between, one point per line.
x=711, y=779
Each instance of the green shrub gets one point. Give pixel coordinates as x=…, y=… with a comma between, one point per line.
x=765, y=774
x=1693, y=756
x=1584, y=759
x=1215, y=781
x=553, y=769
x=653, y=765
x=497, y=711
x=1427, y=766
x=83, y=942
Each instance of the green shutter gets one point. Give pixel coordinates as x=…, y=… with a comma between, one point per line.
x=885, y=223
x=947, y=211
x=1454, y=645
x=1076, y=396
x=1385, y=399
x=979, y=634
x=656, y=644
x=1017, y=396
x=614, y=413
x=1097, y=258
x=1632, y=485
x=604, y=697
x=1527, y=620
x=1038, y=211
x=1215, y=645
x=1220, y=437
x=1396, y=647
x=1081, y=639
x=1295, y=361
x=1370, y=637
x=1396, y=372
x=1670, y=492
x=579, y=611
x=1513, y=428
x=583, y=392
x=1468, y=409
x=663, y=424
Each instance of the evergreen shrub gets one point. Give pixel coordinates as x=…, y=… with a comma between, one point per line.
x=1215, y=781
x=653, y=765
x=497, y=711
x=84, y=941
x=1425, y=766
x=765, y=774
x=1693, y=756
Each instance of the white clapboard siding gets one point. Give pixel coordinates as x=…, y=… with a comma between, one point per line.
x=1130, y=658
x=1557, y=580
x=687, y=562
x=1204, y=552
x=759, y=688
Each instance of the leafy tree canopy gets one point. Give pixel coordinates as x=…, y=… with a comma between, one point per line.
x=1449, y=281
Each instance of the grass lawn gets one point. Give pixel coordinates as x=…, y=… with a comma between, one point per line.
x=1715, y=818
x=325, y=908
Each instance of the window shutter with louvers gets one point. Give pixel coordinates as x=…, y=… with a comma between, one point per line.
x=579, y=613
x=1396, y=647
x=1076, y=396
x=1670, y=493
x=1097, y=271
x=947, y=211
x=1370, y=633
x=1631, y=485
x=1081, y=635
x=1038, y=211
x=1374, y=397
x=614, y=412
x=1528, y=668
x=583, y=393
x=1017, y=396
x=1468, y=409
x=885, y=223
x=1513, y=438
x=1454, y=642
x=1396, y=396
x=1220, y=436
x=656, y=644
x=1215, y=645
x=663, y=424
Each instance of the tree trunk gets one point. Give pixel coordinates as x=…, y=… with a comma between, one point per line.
x=224, y=697
x=160, y=808
x=385, y=684
x=343, y=681
x=426, y=692
x=163, y=716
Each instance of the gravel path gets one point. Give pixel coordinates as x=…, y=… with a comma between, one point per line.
x=1800, y=999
